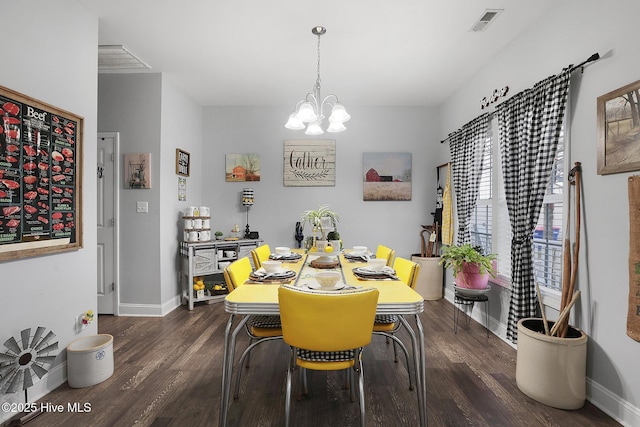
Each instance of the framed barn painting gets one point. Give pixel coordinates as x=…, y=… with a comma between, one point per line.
x=387, y=176
x=619, y=130
x=242, y=167
x=309, y=163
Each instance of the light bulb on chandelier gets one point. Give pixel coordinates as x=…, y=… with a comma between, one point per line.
x=311, y=109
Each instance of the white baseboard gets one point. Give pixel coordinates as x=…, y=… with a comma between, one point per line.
x=149, y=310
x=613, y=405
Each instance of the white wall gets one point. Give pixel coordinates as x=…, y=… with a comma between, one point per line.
x=130, y=104
x=570, y=34
x=181, y=128
x=151, y=116
x=277, y=208
x=58, y=67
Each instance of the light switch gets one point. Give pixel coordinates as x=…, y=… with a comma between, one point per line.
x=142, y=207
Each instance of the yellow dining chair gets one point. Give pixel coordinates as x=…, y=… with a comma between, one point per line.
x=327, y=332
x=386, y=253
x=259, y=254
x=259, y=328
x=387, y=325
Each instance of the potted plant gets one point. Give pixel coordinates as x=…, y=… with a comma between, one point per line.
x=471, y=267
x=315, y=219
x=334, y=239
x=218, y=235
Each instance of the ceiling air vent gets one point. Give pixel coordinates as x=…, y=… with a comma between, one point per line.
x=488, y=16
x=118, y=57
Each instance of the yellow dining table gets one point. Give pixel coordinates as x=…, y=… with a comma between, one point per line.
x=262, y=299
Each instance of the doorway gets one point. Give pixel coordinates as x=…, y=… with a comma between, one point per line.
x=107, y=222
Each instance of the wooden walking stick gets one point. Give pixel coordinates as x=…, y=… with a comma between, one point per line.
x=568, y=286
x=544, y=316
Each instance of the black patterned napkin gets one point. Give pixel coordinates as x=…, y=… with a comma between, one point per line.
x=387, y=273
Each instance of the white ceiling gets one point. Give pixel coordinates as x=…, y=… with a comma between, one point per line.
x=375, y=52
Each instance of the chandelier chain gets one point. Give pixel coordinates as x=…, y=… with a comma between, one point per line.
x=318, y=79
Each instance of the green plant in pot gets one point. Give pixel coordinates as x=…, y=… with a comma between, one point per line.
x=334, y=236
x=471, y=268
x=315, y=219
x=218, y=235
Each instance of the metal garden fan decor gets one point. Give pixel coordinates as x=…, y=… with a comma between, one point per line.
x=26, y=359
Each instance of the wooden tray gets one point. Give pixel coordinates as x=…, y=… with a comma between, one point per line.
x=316, y=264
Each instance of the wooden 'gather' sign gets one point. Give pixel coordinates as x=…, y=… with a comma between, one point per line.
x=309, y=163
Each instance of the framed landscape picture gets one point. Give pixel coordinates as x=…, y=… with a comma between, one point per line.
x=242, y=167
x=387, y=176
x=619, y=130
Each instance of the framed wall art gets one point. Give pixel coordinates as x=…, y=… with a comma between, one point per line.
x=242, y=167
x=137, y=170
x=183, y=163
x=387, y=176
x=309, y=163
x=40, y=177
x=619, y=130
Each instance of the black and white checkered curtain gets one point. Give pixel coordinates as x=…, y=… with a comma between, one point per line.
x=467, y=153
x=530, y=124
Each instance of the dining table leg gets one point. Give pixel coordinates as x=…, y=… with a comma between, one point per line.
x=418, y=362
x=227, y=365
x=423, y=369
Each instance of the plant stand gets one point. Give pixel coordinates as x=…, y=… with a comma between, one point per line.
x=463, y=301
x=550, y=369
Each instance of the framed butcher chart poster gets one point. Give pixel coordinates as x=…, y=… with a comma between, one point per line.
x=40, y=177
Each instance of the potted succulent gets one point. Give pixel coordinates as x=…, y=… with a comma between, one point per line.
x=471, y=267
x=218, y=235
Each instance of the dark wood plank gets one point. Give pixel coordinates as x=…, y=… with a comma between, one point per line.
x=168, y=374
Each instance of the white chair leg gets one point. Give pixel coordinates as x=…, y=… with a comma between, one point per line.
x=287, y=399
x=361, y=391
x=287, y=404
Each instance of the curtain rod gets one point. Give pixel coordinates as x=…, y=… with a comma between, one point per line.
x=592, y=58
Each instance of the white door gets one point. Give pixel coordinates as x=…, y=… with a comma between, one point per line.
x=107, y=195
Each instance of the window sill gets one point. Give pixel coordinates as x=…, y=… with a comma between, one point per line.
x=501, y=281
x=550, y=297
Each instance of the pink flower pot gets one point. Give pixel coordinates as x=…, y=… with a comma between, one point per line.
x=470, y=277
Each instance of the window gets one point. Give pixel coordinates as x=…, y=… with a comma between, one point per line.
x=547, y=236
x=481, y=218
x=491, y=209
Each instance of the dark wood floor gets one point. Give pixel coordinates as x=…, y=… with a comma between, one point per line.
x=167, y=373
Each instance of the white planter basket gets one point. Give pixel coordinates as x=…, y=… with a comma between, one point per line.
x=552, y=370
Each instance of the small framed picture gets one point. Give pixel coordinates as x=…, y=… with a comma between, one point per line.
x=137, y=170
x=182, y=162
x=619, y=130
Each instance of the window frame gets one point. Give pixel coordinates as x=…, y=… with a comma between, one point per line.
x=550, y=295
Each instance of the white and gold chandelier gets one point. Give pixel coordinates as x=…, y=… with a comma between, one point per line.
x=310, y=110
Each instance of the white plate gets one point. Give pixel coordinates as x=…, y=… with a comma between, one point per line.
x=262, y=271
x=336, y=287
x=471, y=292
